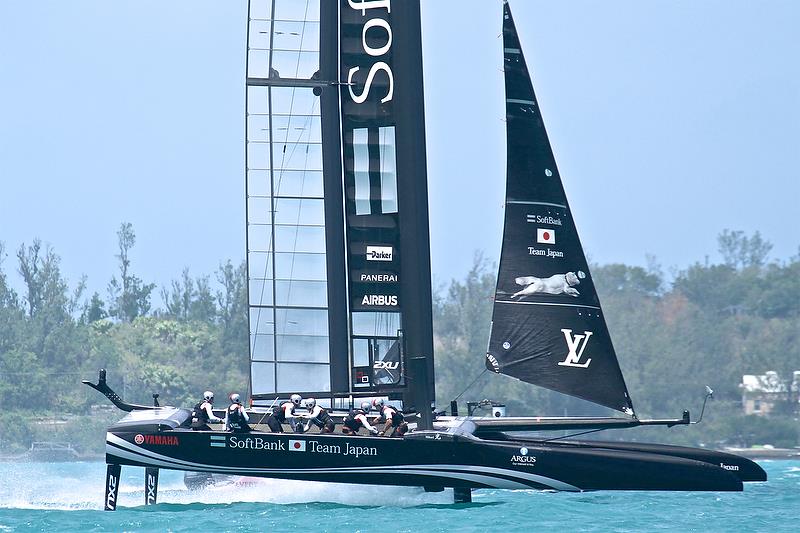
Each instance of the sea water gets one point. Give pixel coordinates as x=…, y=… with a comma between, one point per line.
x=68, y=497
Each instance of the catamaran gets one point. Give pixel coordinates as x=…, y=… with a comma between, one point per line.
x=340, y=288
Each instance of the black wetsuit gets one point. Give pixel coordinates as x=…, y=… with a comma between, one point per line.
x=351, y=422
x=278, y=417
x=398, y=425
x=236, y=421
x=324, y=421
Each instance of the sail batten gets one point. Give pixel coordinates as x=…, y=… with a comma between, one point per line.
x=548, y=327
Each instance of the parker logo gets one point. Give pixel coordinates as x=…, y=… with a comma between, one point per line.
x=160, y=440
x=386, y=365
x=379, y=253
x=576, y=344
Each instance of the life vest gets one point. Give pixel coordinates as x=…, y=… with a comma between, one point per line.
x=352, y=422
x=280, y=412
x=199, y=415
x=235, y=418
x=396, y=416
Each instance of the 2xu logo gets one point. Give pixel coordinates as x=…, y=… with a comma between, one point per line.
x=386, y=365
x=576, y=345
x=151, y=489
x=111, y=498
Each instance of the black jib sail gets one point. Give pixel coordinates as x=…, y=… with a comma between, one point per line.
x=547, y=325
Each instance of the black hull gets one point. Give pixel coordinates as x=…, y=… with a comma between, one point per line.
x=433, y=459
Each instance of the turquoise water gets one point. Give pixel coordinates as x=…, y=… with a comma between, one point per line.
x=68, y=497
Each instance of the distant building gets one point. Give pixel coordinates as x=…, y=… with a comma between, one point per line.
x=761, y=393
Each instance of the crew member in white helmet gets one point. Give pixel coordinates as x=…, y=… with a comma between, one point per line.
x=318, y=416
x=284, y=414
x=236, y=418
x=358, y=419
x=391, y=418
x=202, y=413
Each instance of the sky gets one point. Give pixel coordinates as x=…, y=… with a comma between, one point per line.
x=670, y=121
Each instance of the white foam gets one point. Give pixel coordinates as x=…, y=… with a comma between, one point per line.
x=80, y=486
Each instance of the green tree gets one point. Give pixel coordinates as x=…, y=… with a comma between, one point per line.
x=129, y=297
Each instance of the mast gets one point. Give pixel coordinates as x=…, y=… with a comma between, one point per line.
x=338, y=247
x=547, y=324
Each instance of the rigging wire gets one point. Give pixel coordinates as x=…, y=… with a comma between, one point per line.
x=470, y=385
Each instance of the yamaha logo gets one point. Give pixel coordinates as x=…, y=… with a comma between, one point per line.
x=139, y=439
x=379, y=253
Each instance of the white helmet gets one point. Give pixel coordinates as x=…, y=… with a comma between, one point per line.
x=235, y=398
x=366, y=407
x=310, y=403
x=296, y=399
x=378, y=403
x=208, y=396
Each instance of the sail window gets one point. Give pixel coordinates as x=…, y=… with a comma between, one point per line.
x=259, y=265
x=262, y=347
x=293, y=293
x=296, y=156
x=294, y=35
x=301, y=322
x=258, y=128
x=376, y=324
x=263, y=378
x=297, y=10
x=294, y=101
x=296, y=128
x=303, y=377
x=305, y=212
x=258, y=183
x=299, y=239
x=388, y=166
x=361, y=171
x=260, y=9
x=259, y=210
x=302, y=348
x=261, y=292
x=299, y=184
x=259, y=238
x=258, y=156
x=300, y=266
x=375, y=192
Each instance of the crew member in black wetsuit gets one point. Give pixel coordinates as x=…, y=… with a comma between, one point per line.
x=284, y=414
x=236, y=419
x=390, y=418
x=318, y=416
x=358, y=419
x=202, y=413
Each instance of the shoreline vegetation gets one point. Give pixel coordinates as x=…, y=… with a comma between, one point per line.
x=705, y=325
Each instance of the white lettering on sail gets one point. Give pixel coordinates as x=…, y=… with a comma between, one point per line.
x=576, y=344
x=361, y=98
x=380, y=23
x=363, y=6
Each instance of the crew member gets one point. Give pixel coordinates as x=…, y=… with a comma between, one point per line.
x=358, y=419
x=202, y=413
x=390, y=418
x=318, y=416
x=284, y=414
x=236, y=419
